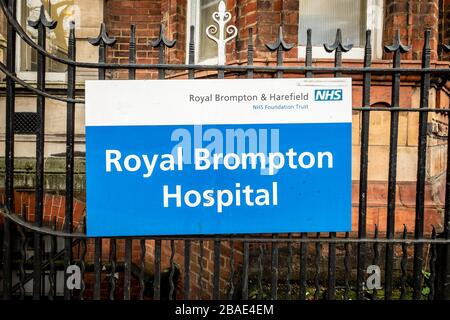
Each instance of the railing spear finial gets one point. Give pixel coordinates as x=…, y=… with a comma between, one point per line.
x=102, y=41
x=338, y=45
x=397, y=46
x=280, y=43
x=162, y=40
x=42, y=20
x=279, y=46
x=102, y=38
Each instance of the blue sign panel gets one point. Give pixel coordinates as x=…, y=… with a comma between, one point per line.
x=218, y=157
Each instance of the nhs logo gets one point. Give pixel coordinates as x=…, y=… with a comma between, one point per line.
x=328, y=95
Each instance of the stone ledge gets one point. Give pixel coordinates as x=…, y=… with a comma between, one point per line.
x=54, y=177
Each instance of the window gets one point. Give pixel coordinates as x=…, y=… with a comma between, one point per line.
x=63, y=11
x=200, y=17
x=353, y=17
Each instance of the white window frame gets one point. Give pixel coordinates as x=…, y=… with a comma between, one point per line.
x=374, y=22
x=193, y=19
x=31, y=76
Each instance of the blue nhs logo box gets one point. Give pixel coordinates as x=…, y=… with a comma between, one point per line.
x=328, y=95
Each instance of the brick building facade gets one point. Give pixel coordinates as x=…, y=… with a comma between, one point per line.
x=411, y=17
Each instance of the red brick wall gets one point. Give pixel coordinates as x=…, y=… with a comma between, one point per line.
x=174, y=13
x=146, y=15
x=246, y=18
x=54, y=209
x=290, y=20
x=208, y=265
x=195, y=291
x=264, y=16
x=446, y=25
x=54, y=212
x=405, y=202
x=412, y=17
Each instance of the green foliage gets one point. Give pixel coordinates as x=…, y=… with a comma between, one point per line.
x=426, y=288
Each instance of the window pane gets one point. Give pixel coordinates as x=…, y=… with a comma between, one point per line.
x=207, y=47
x=62, y=11
x=324, y=17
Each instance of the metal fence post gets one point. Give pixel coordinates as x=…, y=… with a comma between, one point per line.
x=9, y=153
